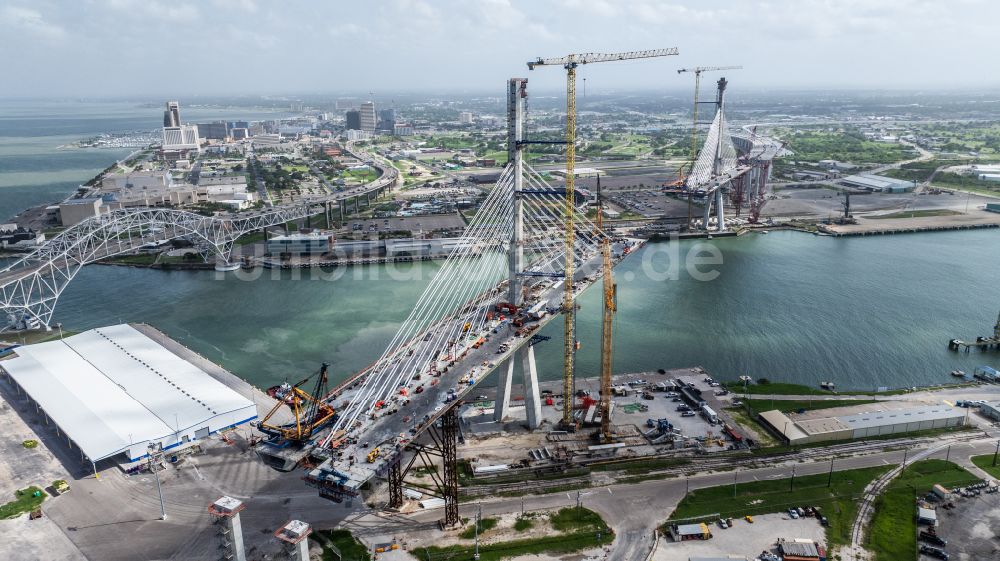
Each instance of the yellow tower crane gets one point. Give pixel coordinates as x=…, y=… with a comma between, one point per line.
x=570, y=63
x=694, y=126
x=607, y=325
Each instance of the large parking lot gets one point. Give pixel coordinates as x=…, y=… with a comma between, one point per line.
x=743, y=538
x=413, y=224
x=652, y=203
x=970, y=528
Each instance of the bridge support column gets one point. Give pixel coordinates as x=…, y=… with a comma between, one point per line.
x=368, y=199
x=343, y=210
x=223, y=256
x=356, y=198
x=449, y=457
x=532, y=400
x=501, y=407
x=708, y=212
x=720, y=214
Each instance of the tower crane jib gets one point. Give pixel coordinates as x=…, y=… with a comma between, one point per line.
x=570, y=63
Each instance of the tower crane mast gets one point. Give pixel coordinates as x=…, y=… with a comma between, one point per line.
x=607, y=325
x=570, y=63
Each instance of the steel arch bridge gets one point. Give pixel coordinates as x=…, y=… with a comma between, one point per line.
x=31, y=286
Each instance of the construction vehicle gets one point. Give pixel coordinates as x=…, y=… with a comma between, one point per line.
x=309, y=410
x=570, y=63
x=373, y=455
x=507, y=307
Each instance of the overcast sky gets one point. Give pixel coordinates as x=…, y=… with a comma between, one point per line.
x=175, y=48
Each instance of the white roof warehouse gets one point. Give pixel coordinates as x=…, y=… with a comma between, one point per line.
x=114, y=390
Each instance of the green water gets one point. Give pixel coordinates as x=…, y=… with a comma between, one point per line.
x=861, y=312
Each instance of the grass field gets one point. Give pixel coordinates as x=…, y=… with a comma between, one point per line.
x=775, y=388
x=578, y=529
x=838, y=501
x=795, y=405
x=137, y=259
x=523, y=524
x=24, y=501
x=921, y=213
x=892, y=535
x=484, y=525
x=813, y=146
x=349, y=547
x=985, y=463
x=251, y=238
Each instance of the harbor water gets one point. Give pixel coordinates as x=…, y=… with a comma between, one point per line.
x=861, y=312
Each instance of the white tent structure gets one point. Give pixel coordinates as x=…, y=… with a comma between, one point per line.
x=113, y=390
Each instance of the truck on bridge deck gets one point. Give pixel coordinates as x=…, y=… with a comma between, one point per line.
x=343, y=468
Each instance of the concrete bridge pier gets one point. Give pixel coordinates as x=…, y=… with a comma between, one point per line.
x=501, y=407
x=532, y=398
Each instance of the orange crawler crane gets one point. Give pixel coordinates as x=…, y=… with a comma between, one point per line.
x=310, y=412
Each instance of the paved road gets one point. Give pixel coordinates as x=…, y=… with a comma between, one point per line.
x=634, y=510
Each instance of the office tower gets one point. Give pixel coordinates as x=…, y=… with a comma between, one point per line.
x=368, y=116
x=172, y=116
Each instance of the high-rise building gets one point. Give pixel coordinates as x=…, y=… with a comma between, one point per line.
x=386, y=119
x=239, y=125
x=172, y=116
x=353, y=120
x=368, y=119
x=465, y=117
x=213, y=131
x=184, y=137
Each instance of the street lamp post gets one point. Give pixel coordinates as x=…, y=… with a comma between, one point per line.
x=153, y=452
x=479, y=517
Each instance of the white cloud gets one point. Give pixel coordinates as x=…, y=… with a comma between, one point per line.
x=154, y=11
x=30, y=21
x=346, y=29
x=246, y=6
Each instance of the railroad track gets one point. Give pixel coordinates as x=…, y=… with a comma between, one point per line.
x=856, y=551
x=702, y=463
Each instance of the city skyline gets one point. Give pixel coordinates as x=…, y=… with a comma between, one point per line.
x=417, y=46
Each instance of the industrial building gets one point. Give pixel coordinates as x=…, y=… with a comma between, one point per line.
x=684, y=532
x=877, y=183
x=74, y=211
x=115, y=392
x=800, y=550
x=317, y=243
x=803, y=429
x=990, y=410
